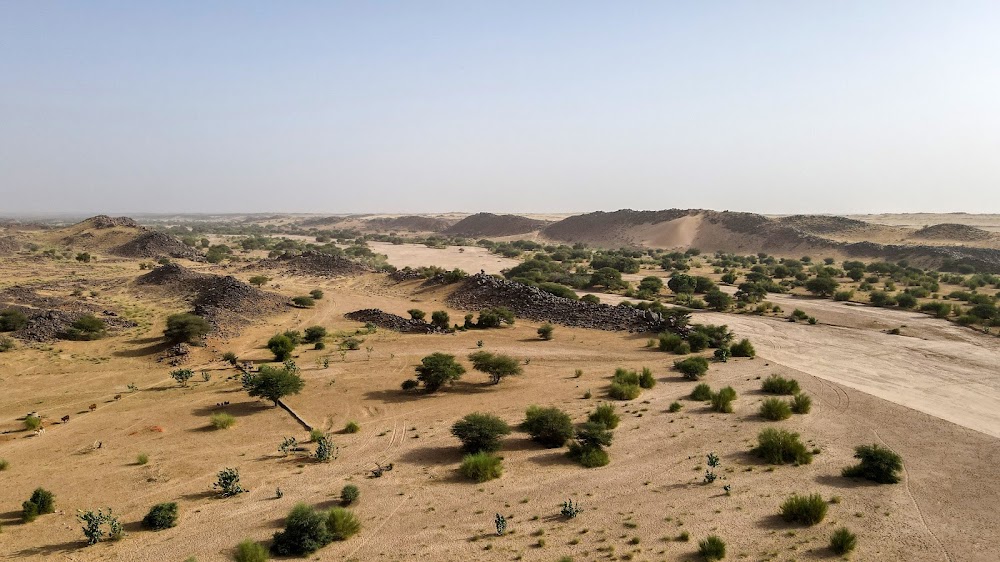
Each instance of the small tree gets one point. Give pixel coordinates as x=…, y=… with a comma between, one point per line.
x=314, y=334
x=259, y=280
x=182, y=376
x=303, y=302
x=306, y=531
x=161, y=516
x=440, y=319
x=12, y=320
x=437, y=369
x=281, y=346
x=349, y=494
x=274, y=383
x=495, y=317
x=718, y=300
x=85, y=328
x=693, y=367
x=549, y=426
x=316, y=294
x=605, y=415
x=228, y=482
x=588, y=448
x=545, y=331
x=94, y=524
x=186, y=328
x=878, y=464
x=497, y=366
x=822, y=286
x=480, y=432
x=416, y=314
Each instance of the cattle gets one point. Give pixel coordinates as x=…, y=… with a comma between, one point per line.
x=65, y=419
x=93, y=407
x=118, y=396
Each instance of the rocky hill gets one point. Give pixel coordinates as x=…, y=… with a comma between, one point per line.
x=490, y=225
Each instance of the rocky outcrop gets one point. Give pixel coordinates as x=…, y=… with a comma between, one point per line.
x=388, y=321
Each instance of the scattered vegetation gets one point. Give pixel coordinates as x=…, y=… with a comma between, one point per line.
x=775, y=409
x=878, y=464
x=481, y=466
x=843, y=541
x=549, y=426
x=480, y=432
x=161, y=516
x=806, y=510
x=777, y=446
x=775, y=384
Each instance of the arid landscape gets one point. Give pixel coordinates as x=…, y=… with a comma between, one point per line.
x=890, y=332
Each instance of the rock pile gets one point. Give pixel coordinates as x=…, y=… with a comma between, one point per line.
x=45, y=325
x=175, y=355
x=9, y=245
x=153, y=244
x=488, y=224
x=392, y=322
x=317, y=264
x=104, y=221
x=485, y=291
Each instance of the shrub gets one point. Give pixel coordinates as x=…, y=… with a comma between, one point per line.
x=93, y=526
x=29, y=511
x=281, y=346
x=440, y=319
x=416, y=314
x=316, y=294
x=693, y=367
x=409, y=384
x=683, y=349
x=801, y=404
x=780, y=385
x=702, y=392
x=624, y=391
x=161, y=516
x=722, y=401
x=775, y=409
x=437, y=369
x=495, y=317
x=12, y=320
x=807, y=510
x=843, y=295
x=259, y=280
x=549, y=426
x=231, y=358
x=481, y=466
x=4, y=464
x=342, y=524
x=351, y=344
x=545, y=331
x=480, y=432
x=315, y=434
x=186, y=328
x=670, y=342
x=712, y=548
x=352, y=427
x=589, y=457
x=228, y=482
x=32, y=423
x=222, y=420
x=349, y=494
x=306, y=531
x=777, y=446
x=843, y=541
x=274, y=383
x=675, y=407
x=881, y=298
x=605, y=415
x=303, y=302
x=45, y=501
x=182, y=376
x=141, y=459
x=250, y=551
x=496, y=365
x=6, y=344
x=723, y=354
x=591, y=298
x=646, y=379
x=314, y=334
x=743, y=349
x=822, y=286
x=86, y=328
x=878, y=464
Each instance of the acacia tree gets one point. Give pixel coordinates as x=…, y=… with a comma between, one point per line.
x=274, y=383
x=437, y=369
x=496, y=365
x=186, y=328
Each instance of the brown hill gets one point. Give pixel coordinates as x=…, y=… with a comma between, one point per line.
x=153, y=244
x=488, y=224
x=410, y=223
x=951, y=231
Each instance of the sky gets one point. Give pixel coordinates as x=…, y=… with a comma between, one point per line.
x=515, y=106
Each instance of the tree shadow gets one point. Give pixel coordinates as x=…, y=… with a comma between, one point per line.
x=197, y=496
x=237, y=409
x=396, y=396
x=553, y=457
x=432, y=455
x=153, y=349
x=844, y=482
x=49, y=550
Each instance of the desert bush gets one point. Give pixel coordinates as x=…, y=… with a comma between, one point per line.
x=549, y=426
x=605, y=415
x=712, y=548
x=416, y=314
x=314, y=334
x=801, y=403
x=481, y=466
x=351, y=343
x=29, y=511
x=303, y=302
x=182, y=376
x=141, y=459
x=186, y=328
x=669, y=342
x=250, y=551
x=495, y=317
x=646, y=379
x=409, y=384
x=878, y=464
x=843, y=541
x=693, y=367
x=591, y=298
x=352, y=427
x=161, y=516
x=231, y=358
x=722, y=354
x=342, y=523
x=281, y=346
x=624, y=391
x=775, y=384
x=775, y=409
x=94, y=523
x=545, y=331
x=315, y=434
x=480, y=432
x=697, y=341
x=718, y=300
x=437, y=369
x=274, y=383
x=6, y=344
x=702, y=392
x=228, y=482
x=743, y=348
x=822, y=286
x=41, y=502
x=496, y=365
x=316, y=294
x=881, y=298
x=777, y=446
x=222, y=420
x=4, y=464
x=32, y=422
x=722, y=401
x=259, y=280
x=86, y=328
x=807, y=510
x=440, y=319
x=843, y=295
x=906, y=300
x=349, y=494
x=12, y=320
x=306, y=531
x=675, y=407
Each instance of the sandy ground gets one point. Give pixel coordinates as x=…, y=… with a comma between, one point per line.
x=423, y=510
x=469, y=258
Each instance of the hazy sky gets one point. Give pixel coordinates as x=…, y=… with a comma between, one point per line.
x=798, y=106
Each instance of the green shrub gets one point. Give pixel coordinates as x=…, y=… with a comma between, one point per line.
x=675, y=407
x=349, y=494
x=589, y=457
x=416, y=314
x=669, y=342
x=274, y=383
x=6, y=344
x=186, y=328
x=775, y=409
x=316, y=294
x=806, y=510
x=315, y=434
x=231, y=358
x=86, y=328
x=624, y=391
x=281, y=346
x=12, y=320
x=305, y=532
x=697, y=341
x=314, y=334
x=437, y=369
x=161, y=516
x=693, y=367
x=878, y=464
x=545, y=331
x=480, y=432
x=29, y=511
x=843, y=541
x=304, y=302
x=250, y=551
x=843, y=295
x=141, y=459
x=440, y=319
x=801, y=403
x=495, y=317
x=743, y=349
x=481, y=466
x=342, y=523
x=45, y=501
x=496, y=365
x=780, y=385
x=777, y=446
x=702, y=392
x=222, y=420
x=646, y=379
x=549, y=426
x=683, y=348
x=712, y=548
x=352, y=427
x=722, y=401
x=4, y=464
x=605, y=415
x=32, y=423
x=409, y=384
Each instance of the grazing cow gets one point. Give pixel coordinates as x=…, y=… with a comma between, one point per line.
x=118, y=396
x=65, y=419
x=93, y=407
x=39, y=431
